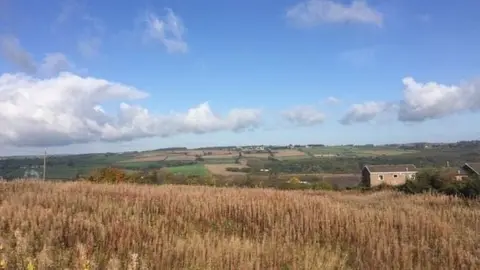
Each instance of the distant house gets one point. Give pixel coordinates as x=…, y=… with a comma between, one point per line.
x=394, y=175
x=459, y=173
x=472, y=168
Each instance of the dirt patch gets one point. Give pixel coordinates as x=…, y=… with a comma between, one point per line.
x=144, y=159
x=219, y=156
x=189, y=158
x=289, y=153
x=220, y=169
x=256, y=155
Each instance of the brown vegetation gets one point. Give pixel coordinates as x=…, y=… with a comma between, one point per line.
x=289, y=153
x=220, y=169
x=94, y=226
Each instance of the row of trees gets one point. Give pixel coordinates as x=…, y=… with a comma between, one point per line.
x=117, y=176
x=430, y=180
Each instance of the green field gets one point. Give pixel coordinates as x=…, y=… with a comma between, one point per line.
x=197, y=169
x=139, y=165
x=349, y=151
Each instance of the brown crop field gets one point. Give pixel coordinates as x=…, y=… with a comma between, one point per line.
x=219, y=169
x=289, y=153
x=219, y=156
x=279, y=154
x=94, y=226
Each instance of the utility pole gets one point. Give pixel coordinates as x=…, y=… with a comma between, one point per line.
x=44, y=164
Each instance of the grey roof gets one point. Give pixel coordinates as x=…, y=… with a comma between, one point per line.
x=461, y=171
x=391, y=168
x=475, y=166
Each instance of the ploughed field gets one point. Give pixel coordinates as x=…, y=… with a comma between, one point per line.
x=95, y=226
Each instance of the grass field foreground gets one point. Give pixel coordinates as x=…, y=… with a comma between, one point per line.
x=93, y=226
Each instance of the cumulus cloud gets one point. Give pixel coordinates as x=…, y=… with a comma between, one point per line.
x=13, y=52
x=54, y=63
x=304, y=116
x=67, y=109
x=314, y=12
x=365, y=112
x=423, y=101
x=169, y=31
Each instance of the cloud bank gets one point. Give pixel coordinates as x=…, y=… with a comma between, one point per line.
x=421, y=102
x=67, y=109
x=304, y=116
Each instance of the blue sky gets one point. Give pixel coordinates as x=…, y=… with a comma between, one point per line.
x=316, y=71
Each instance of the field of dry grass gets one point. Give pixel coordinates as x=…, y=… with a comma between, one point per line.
x=71, y=225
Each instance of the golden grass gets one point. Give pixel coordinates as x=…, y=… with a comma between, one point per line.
x=72, y=225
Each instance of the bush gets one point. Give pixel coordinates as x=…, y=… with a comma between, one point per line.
x=438, y=181
x=323, y=186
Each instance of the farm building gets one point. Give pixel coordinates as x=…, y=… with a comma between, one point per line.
x=374, y=175
x=459, y=174
x=472, y=168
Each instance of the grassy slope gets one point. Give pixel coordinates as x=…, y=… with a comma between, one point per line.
x=197, y=169
x=180, y=227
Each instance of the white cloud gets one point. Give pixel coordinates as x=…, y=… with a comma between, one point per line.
x=365, y=112
x=169, y=31
x=52, y=63
x=66, y=109
x=314, y=12
x=423, y=101
x=304, y=116
x=333, y=100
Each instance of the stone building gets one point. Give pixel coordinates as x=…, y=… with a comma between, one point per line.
x=393, y=175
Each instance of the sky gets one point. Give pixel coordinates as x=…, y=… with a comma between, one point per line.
x=80, y=76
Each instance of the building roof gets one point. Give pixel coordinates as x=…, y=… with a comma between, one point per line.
x=475, y=166
x=461, y=171
x=456, y=171
x=391, y=168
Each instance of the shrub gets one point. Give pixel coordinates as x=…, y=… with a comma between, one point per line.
x=434, y=180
